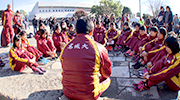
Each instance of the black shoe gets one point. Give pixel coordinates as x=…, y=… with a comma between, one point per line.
x=125, y=49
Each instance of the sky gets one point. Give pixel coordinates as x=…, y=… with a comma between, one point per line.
x=28, y=5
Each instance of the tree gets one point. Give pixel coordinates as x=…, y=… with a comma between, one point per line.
x=126, y=10
x=107, y=7
x=154, y=5
x=22, y=12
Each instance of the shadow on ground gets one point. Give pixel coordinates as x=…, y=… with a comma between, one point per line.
x=45, y=95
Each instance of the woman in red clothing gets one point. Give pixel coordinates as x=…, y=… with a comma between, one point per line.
x=71, y=33
x=45, y=45
x=59, y=38
x=167, y=69
x=19, y=58
x=26, y=45
x=37, y=34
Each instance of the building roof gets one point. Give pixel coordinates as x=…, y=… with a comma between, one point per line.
x=63, y=4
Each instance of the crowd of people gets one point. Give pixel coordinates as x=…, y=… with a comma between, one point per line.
x=83, y=44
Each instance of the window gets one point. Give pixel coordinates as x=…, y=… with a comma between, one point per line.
x=49, y=10
x=39, y=10
x=68, y=10
x=56, y=10
x=46, y=11
x=53, y=10
x=65, y=10
x=59, y=10
x=43, y=10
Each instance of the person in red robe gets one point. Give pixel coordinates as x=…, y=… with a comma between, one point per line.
x=99, y=33
x=19, y=58
x=45, y=45
x=111, y=36
x=60, y=39
x=123, y=36
x=71, y=33
x=167, y=69
x=83, y=59
x=17, y=22
x=153, y=47
x=37, y=34
x=7, y=27
x=133, y=40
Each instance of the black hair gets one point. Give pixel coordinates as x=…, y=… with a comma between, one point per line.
x=17, y=11
x=57, y=26
x=161, y=7
x=168, y=8
x=22, y=33
x=84, y=25
x=16, y=38
x=142, y=28
x=126, y=23
x=71, y=25
x=18, y=30
x=61, y=25
x=154, y=28
x=173, y=44
x=163, y=31
x=138, y=24
x=112, y=24
x=42, y=31
x=41, y=25
x=98, y=22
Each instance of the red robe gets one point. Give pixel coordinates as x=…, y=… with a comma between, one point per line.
x=82, y=60
x=17, y=21
x=44, y=45
x=71, y=35
x=139, y=43
x=19, y=59
x=59, y=38
x=99, y=35
x=7, y=23
x=131, y=42
x=123, y=37
x=167, y=70
x=31, y=49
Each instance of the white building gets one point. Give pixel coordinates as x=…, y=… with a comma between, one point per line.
x=57, y=9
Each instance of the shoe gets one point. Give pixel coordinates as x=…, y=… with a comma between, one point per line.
x=43, y=70
x=2, y=64
x=37, y=70
x=131, y=53
x=137, y=66
x=136, y=59
x=141, y=87
x=126, y=49
x=41, y=62
x=141, y=82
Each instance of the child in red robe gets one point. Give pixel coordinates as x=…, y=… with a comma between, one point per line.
x=71, y=33
x=59, y=38
x=111, y=36
x=167, y=69
x=99, y=33
x=19, y=58
x=37, y=34
x=45, y=45
x=123, y=36
x=152, y=48
x=133, y=40
x=26, y=45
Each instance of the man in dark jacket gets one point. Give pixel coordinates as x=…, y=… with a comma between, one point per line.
x=35, y=23
x=160, y=17
x=168, y=18
x=82, y=59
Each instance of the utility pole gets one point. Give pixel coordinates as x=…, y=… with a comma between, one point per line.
x=140, y=7
x=13, y=6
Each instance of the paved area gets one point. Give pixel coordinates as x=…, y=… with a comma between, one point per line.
x=29, y=86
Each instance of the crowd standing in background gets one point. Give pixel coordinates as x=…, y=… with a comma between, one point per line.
x=151, y=43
